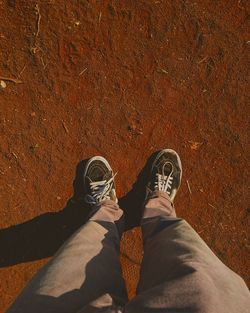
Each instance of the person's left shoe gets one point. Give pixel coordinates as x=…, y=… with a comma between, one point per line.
x=98, y=179
x=166, y=173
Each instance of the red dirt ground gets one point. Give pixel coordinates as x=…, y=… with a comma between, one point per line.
x=121, y=79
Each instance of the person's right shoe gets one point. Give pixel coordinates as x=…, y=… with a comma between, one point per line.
x=166, y=173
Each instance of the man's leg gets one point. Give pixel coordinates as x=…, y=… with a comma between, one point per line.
x=179, y=272
x=85, y=268
x=85, y=273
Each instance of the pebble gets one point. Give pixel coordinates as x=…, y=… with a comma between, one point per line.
x=3, y=84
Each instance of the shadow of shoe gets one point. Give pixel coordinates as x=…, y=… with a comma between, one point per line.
x=132, y=203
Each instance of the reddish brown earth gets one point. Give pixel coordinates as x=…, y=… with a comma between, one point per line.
x=121, y=79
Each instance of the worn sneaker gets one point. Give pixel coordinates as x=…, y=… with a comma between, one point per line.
x=98, y=181
x=166, y=173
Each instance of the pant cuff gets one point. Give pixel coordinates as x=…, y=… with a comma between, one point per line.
x=159, y=204
x=107, y=211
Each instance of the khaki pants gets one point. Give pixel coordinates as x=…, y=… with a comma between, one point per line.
x=179, y=272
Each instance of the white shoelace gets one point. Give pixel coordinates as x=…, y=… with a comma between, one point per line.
x=163, y=182
x=100, y=191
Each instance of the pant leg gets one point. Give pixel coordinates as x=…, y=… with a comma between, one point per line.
x=179, y=272
x=84, y=274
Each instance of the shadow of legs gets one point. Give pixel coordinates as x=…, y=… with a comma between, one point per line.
x=85, y=269
x=42, y=236
x=132, y=203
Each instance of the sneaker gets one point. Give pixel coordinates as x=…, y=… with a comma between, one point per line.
x=98, y=181
x=166, y=173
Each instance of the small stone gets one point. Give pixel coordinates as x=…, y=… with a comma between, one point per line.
x=58, y=198
x=3, y=84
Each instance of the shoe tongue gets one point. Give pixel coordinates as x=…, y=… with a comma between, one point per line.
x=107, y=176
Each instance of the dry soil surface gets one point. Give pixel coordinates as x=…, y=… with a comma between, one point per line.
x=121, y=79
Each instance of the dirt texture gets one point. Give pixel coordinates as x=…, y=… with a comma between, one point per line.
x=121, y=79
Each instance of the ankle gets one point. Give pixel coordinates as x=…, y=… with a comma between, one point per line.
x=158, y=203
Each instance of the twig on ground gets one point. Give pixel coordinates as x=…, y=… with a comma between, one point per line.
x=65, y=127
x=212, y=206
x=44, y=65
x=37, y=9
x=84, y=70
x=189, y=187
x=23, y=69
x=99, y=18
x=164, y=71
x=10, y=79
x=202, y=60
x=35, y=48
x=13, y=153
x=42, y=61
